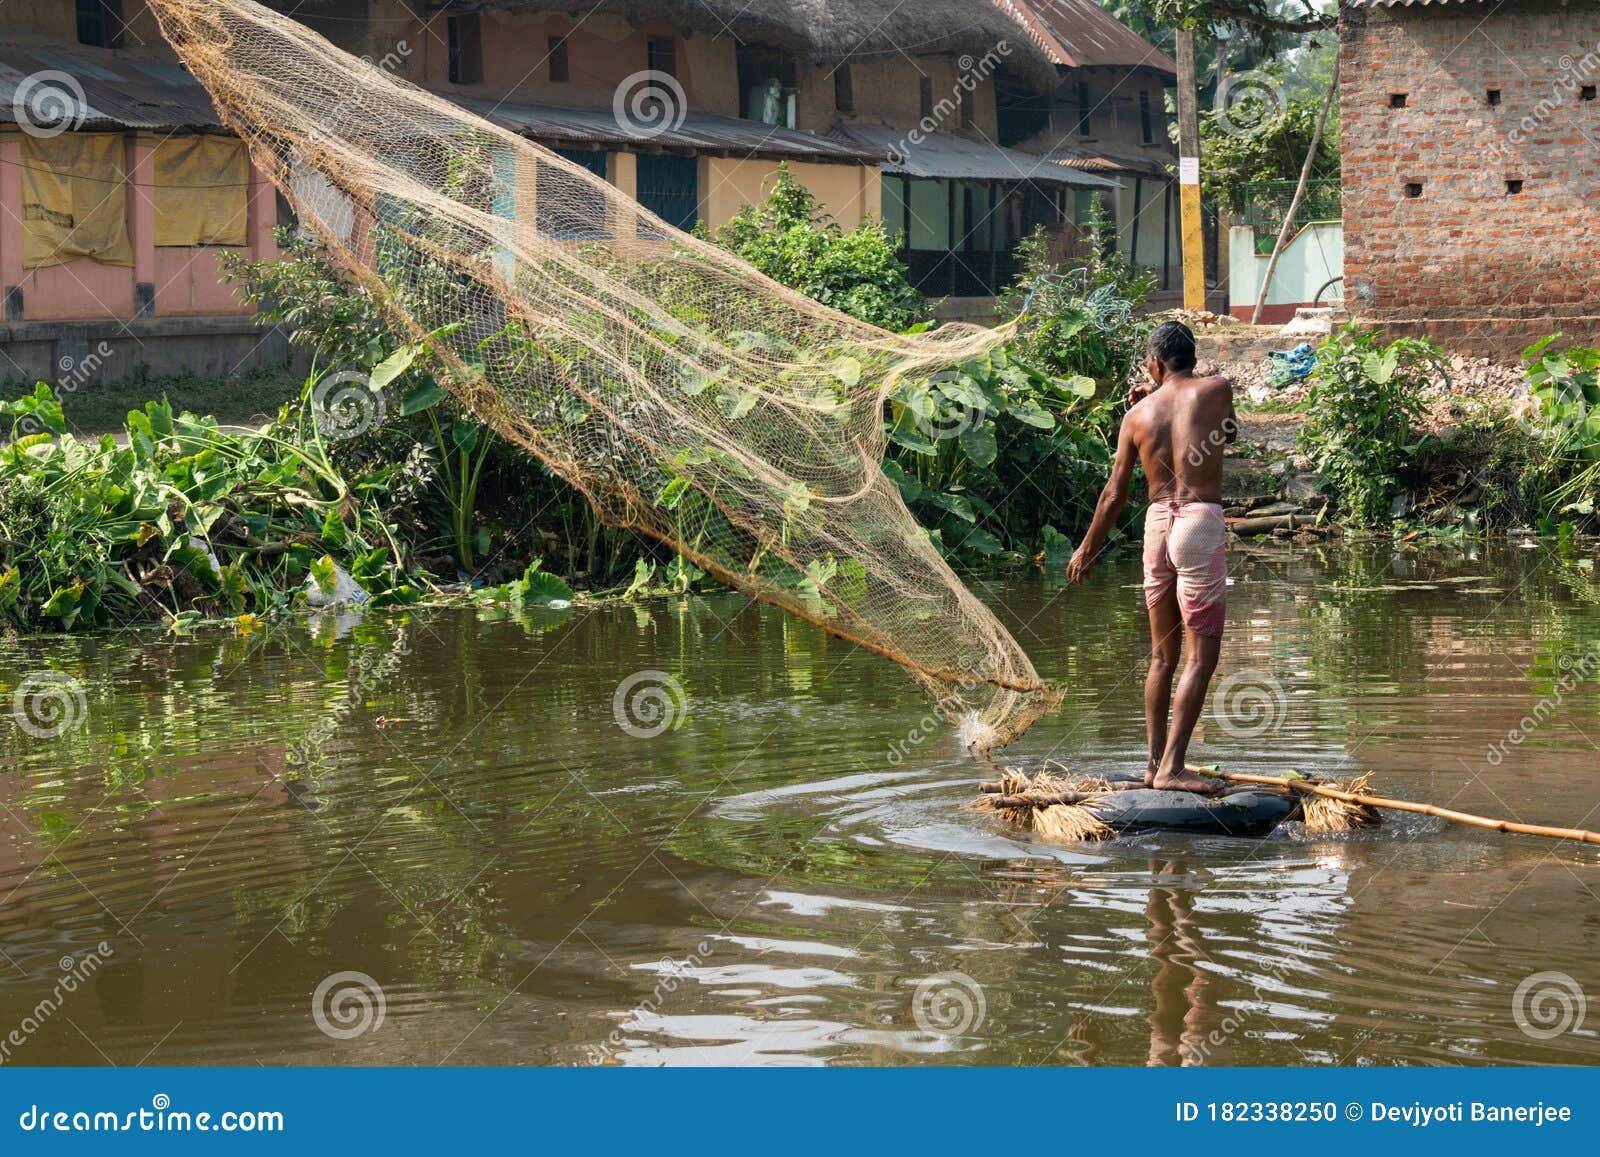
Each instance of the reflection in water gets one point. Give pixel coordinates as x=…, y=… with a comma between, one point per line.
x=771, y=880
x=1186, y=1022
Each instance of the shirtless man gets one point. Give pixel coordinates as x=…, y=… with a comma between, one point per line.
x=1177, y=429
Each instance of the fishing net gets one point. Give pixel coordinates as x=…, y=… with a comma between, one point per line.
x=686, y=395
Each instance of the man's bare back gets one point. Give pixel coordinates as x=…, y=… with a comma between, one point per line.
x=1177, y=429
x=1180, y=431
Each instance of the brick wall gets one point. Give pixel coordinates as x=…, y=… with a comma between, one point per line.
x=1478, y=267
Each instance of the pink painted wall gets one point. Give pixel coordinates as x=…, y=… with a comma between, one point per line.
x=187, y=280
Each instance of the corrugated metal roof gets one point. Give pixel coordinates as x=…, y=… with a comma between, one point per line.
x=939, y=155
x=1107, y=161
x=1081, y=34
x=703, y=132
x=112, y=91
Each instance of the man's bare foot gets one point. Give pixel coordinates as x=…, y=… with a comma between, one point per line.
x=1187, y=781
x=1150, y=773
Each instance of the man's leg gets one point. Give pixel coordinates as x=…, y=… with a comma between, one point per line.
x=1166, y=626
x=1203, y=651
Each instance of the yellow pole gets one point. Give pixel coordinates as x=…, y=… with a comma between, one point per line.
x=1194, y=259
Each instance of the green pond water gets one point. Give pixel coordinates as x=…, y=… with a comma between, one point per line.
x=478, y=849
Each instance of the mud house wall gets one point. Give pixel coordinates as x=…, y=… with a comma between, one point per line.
x=1466, y=259
x=602, y=53
x=850, y=193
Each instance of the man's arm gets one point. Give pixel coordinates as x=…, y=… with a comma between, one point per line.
x=1230, y=424
x=1110, y=505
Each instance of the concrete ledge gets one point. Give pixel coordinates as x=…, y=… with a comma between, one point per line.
x=109, y=350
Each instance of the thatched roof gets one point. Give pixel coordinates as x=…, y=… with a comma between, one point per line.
x=853, y=29
x=830, y=30
x=764, y=21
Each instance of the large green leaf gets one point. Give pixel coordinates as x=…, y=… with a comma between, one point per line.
x=978, y=443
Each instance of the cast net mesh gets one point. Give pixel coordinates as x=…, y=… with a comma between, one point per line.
x=685, y=394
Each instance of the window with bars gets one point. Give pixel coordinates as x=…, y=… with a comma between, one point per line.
x=465, y=34
x=661, y=55
x=100, y=23
x=844, y=92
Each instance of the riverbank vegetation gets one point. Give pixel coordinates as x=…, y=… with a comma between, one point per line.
x=374, y=484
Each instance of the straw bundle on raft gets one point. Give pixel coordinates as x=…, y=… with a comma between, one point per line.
x=1062, y=807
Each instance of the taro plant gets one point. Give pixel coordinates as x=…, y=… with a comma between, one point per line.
x=990, y=454
x=1566, y=386
x=184, y=522
x=1362, y=414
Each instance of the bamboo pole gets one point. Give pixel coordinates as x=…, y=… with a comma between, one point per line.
x=1310, y=787
x=1299, y=195
x=1401, y=805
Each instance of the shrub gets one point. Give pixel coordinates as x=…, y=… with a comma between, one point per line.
x=791, y=240
x=1362, y=412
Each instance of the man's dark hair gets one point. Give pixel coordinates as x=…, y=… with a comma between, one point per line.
x=1172, y=344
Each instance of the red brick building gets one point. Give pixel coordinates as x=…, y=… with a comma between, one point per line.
x=1471, y=164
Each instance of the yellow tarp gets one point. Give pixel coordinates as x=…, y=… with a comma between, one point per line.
x=74, y=199
x=202, y=192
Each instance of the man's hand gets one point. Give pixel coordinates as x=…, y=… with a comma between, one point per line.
x=1080, y=566
x=1139, y=391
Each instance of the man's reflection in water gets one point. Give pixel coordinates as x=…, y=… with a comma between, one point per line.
x=1187, y=1025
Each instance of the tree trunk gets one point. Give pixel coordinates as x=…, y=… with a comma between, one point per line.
x=1299, y=194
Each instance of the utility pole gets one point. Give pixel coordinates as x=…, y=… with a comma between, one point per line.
x=1194, y=258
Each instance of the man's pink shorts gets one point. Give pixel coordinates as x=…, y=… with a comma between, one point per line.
x=1185, y=545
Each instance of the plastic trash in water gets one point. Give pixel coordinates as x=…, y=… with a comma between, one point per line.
x=346, y=591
